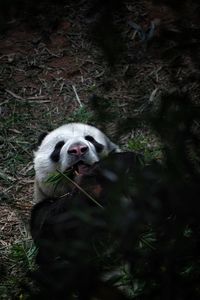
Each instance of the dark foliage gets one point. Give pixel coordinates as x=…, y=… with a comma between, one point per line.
x=70, y=232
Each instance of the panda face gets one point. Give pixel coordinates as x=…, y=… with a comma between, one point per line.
x=73, y=146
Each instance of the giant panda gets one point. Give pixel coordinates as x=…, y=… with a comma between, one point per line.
x=71, y=148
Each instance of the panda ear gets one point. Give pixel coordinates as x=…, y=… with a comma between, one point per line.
x=112, y=147
x=41, y=138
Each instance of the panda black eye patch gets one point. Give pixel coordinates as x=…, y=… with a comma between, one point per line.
x=55, y=155
x=99, y=147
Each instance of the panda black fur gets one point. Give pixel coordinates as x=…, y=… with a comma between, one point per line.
x=58, y=228
x=73, y=144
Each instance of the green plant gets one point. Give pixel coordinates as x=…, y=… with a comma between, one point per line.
x=23, y=253
x=146, y=145
x=82, y=115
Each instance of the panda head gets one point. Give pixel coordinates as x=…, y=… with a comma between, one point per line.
x=74, y=147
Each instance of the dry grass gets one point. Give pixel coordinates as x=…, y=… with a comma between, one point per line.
x=46, y=82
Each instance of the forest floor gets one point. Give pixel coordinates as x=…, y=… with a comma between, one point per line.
x=44, y=64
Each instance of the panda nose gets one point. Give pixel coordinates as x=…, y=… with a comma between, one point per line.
x=77, y=149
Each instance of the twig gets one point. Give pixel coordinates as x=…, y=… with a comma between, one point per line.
x=61, y=87
x=39, y=101
x=7, y=177
x=4, y=102
x=14, y=95
x=2, y=56
x=80, y=188
x=34, y=99
x=51, y=53
x=5, y=191
x=152, y=96
x=77, y=97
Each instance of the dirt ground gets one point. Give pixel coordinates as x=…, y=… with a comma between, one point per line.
x=50, y=71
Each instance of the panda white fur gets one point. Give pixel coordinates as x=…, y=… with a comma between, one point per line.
x=72, y=146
